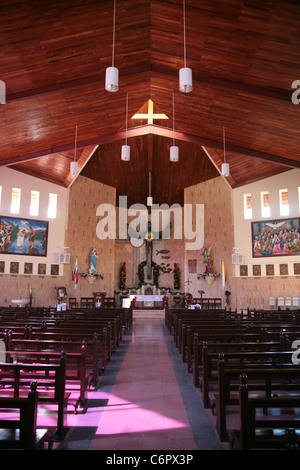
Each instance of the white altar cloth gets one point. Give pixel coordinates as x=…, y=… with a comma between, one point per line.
x=148, y=298
x=141, y=298
x=20, y=302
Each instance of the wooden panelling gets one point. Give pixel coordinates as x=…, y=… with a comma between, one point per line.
x=244, y=56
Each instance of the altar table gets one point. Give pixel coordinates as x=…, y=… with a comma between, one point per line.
x=142, y=298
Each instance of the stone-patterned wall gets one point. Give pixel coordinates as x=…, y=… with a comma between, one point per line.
x=216, y=196
x=85, y=196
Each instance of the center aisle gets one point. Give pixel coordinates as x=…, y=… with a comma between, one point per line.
x=151, y=401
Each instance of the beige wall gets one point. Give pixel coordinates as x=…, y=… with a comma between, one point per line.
x=256, y=290
x=17, y=286
x=216, y=196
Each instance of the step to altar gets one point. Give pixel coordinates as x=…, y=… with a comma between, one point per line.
x=148, y=313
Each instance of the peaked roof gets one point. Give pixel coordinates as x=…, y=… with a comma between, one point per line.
x=245, y=56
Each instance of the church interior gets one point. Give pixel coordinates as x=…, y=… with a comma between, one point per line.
x=149, y=215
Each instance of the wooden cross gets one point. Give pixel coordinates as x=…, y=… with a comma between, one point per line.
x=188, y=282
x=150, y=116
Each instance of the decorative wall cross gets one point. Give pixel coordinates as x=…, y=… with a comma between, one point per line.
x=149, y=116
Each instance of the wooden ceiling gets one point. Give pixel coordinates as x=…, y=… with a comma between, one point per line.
x=244, y=55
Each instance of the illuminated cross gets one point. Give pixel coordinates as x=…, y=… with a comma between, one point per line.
x=150, y=116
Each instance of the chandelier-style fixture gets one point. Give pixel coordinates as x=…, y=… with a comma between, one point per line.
x=225, y=166
x=125, y=151
x=174, y=150
x=112, y=73
x=74, y=164
x=185, y=73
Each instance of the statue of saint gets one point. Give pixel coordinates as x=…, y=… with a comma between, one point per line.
x=93, y=261
x=207, y=261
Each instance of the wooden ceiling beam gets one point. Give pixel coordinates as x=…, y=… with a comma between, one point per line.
x=74, y=84
x=283, y=95
x=155, y=130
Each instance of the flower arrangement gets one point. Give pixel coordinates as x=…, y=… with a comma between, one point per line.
x=176, y=275
x=122, y=284
x=188, y=298
x=156, y=273
x=141, y=275
x=165, y=301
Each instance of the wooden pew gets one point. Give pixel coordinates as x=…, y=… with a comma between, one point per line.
x=51, y=382
x=75, y=369
x=22, y=433
x=225, y=334
x=216, y=347
x=89, y=336
x=257, y=430
x=263, y=381
x=238, y=360
x=51, y=345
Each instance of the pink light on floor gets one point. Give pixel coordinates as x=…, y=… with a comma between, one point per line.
x=121, y=417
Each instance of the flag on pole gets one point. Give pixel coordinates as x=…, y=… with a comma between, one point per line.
x=75, y=274
x=223, y=274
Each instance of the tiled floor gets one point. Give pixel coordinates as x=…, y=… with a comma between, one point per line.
x=150, y=400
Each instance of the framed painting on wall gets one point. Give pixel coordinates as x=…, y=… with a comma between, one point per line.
x=20, y=236
x=279, y=237
x=192, y=266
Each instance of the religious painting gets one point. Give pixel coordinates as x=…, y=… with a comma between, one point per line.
x=61, y=293
x=23, y=236
x=41, y=269
x=28, y=268
x=256, y=268
x=192, y=266
x=270, y=271
x=283, y=269
x=54, y=269
x=14, y=267
x=276, y=238
x=296, y=268
x=243, y=270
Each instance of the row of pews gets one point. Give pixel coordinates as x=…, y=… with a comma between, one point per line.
x=52, y=358
x=246, y=369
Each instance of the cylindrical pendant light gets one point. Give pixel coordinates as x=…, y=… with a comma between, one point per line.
x=74, y=168
x=225, y=166
x=125, y=152
x=174, y=150
x=174, y=153
x=112, y=79
x=112, y=73
x=149, y=198
x=74, y=164
x=185, y=74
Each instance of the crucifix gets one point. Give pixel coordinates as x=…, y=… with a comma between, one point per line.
x=188, y=282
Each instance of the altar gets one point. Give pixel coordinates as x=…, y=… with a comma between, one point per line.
x=147, y=300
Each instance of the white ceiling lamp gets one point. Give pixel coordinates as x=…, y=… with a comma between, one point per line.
x=174, y=150
x=149, y=198
x=225, y=166
x=185, y=73
x=125, y=152
x=74, y=164
x=112, y=73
